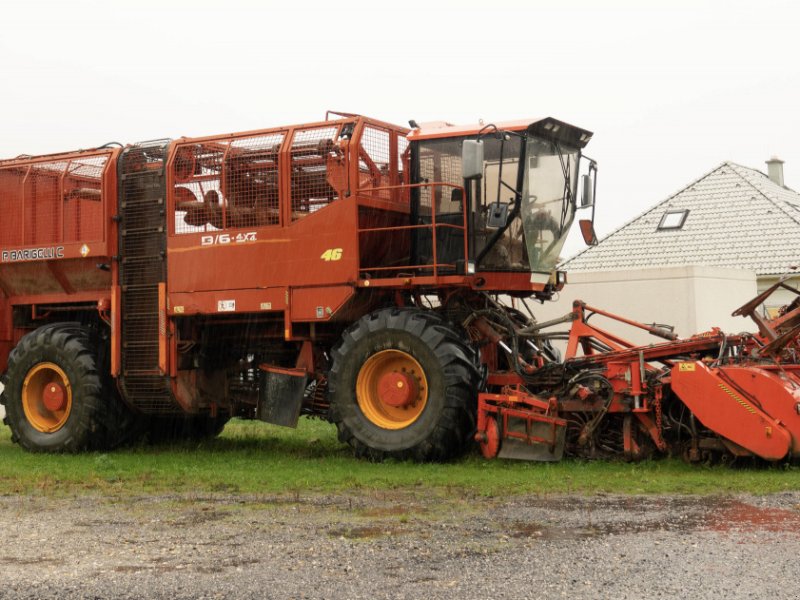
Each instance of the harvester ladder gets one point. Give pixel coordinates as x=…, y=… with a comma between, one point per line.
x=142, y=268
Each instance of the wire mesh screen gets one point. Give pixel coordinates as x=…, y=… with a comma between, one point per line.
x=52, y=202
x=311, y=153
x=440, y=162
x=227, y=184
x=83, y=207
x=43, y=203
x=374, y=162
x=197, y=171
x=403, y=158
x=252, y=181
x=11, y=205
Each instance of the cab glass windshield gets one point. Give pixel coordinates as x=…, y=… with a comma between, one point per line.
x=548, y=205
x=519, y=218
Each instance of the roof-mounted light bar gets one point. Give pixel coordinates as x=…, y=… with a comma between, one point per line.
x=560, y=132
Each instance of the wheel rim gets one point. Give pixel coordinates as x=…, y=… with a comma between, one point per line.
x=490, y=442
x=46, y=397
x=391, y=389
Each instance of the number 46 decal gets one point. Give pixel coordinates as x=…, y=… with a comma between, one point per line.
x=332, y=254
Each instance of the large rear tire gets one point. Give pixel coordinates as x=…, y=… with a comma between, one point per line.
x=54, y=394
x=403, y=384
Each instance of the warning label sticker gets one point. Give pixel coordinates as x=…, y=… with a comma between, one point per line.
x=226, y=305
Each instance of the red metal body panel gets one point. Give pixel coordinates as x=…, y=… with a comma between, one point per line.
x=280, y=256
x=315, y=303
x=248, y=301
x=775, y=393
x=115, y=329
x=67, y=276
x=729, y=411
x=56, y=229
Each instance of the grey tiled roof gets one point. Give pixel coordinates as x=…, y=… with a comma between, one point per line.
x=738, y=218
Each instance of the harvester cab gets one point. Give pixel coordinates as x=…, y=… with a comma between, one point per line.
x=519, y=197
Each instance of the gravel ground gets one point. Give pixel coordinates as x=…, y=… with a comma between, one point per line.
x=399, y=545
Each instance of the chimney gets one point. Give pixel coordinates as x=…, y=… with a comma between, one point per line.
x=775, y=170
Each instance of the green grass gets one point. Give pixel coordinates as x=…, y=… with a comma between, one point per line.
x=255, y=458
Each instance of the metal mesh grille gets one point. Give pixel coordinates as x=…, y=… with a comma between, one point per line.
x=11, y=203
x=311, y=151
x=440, y=162
x=402, y=160
x=252, y=181
x=52, y=202
x=142, y=269
x=227, y=184
x=197, y=172
x=198, y=187
x=43, y=203
x=374, y=162
x=440, y=206
x=83, y=206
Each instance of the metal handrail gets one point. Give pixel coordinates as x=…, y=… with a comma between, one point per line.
x=433, y=225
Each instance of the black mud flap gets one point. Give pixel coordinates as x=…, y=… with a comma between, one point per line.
x=281, y=395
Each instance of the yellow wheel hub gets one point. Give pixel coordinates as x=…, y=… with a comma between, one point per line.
x=46, y=397
x=391, y=389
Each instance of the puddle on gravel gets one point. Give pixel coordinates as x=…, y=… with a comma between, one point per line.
x=686, y=515
x=735, y=515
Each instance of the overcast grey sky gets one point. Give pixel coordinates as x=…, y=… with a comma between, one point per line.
x=671, y=89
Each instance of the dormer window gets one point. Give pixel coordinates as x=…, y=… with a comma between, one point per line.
x=673, y=219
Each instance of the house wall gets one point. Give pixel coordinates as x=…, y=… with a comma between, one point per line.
x=692, y=299
x=781, y=296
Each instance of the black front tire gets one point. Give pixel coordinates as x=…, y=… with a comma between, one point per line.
x=94, y=415
x=444, y=428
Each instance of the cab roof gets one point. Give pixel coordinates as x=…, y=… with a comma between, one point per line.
x=546, y=127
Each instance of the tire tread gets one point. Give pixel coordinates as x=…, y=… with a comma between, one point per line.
x=98, y=417
x=458, y=361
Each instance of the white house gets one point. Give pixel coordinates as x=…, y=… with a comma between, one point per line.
x=732, y=217
x=693, y=258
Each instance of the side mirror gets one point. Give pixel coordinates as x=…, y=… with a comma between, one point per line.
x=472, y=159
x=587, y=231
x=587, y=192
